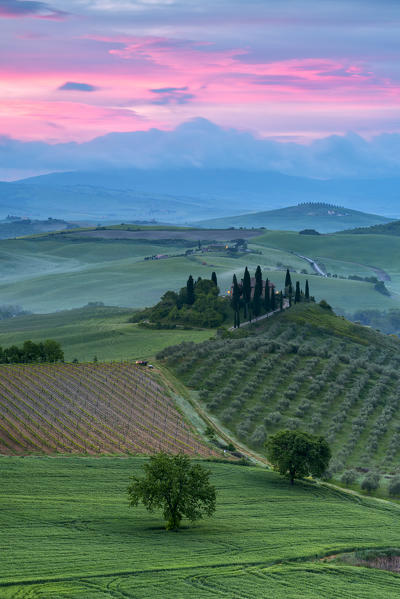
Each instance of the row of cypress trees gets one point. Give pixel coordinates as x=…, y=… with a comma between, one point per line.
x=269, y=302
x=298, y=294
x=259, y=303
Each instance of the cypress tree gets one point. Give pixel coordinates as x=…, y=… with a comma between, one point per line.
x=281, y=301
x=289, y=294
x=247, y=292
x=267, y=303
x=273, y=300
x=214, y=278
x=190, y=291
x=235, y=302
x=288, y=281
x=257, y=292
x=307, y=292
x=297, y=295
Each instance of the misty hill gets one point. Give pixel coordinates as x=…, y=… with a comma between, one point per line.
x=90, y=202
x=19, y=227
x=326, y=218
x=391, y=228
x=188, y=194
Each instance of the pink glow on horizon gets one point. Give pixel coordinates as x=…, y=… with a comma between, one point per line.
x=150, y=81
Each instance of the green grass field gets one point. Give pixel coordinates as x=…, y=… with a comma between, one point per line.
x=68, y=533
x=94, y=331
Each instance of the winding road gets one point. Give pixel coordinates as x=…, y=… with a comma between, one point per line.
x=313, y=264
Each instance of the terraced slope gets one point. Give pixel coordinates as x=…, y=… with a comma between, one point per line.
x=89, y=408
x=305, y=369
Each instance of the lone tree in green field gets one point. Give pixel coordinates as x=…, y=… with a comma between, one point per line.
x=214, y=278
x=176, y=486
x=296, y=454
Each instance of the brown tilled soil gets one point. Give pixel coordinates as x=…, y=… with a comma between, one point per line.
x=391, y=563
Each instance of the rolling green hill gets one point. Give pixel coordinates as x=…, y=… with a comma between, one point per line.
x=68, y=270
x=14, y=227
x=94, y=331
x=392, y=228
x=325, y=218
x=303, y=369
x=74, y=536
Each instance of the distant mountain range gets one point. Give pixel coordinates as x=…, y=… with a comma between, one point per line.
x=199, y=143
x=184, y=195
x=325, y=218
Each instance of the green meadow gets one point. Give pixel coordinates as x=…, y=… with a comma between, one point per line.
x=94, y=331
x=68, y=533
x=57, y=272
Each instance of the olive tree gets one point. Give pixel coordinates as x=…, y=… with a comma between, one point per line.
x=296, y=454
x=349, y=477
x=176, y=486
x=394, y=486
x=371, y=482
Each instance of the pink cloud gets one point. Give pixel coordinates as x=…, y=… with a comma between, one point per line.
x=66, y=121
x=146, y=81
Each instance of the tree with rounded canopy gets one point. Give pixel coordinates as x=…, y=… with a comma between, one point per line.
x=371, y=482
x=296, y=454
x=176, y=486
x=394, y=486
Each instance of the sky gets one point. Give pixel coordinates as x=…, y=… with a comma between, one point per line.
x=291, y=71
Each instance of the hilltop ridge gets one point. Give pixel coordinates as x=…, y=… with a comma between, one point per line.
x=325, y=217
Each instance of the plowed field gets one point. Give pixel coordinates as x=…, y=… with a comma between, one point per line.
x=89, y=408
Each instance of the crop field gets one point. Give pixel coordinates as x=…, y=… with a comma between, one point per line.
x=304, y=369
x=74, y=536
x=89, y=408
x=95, y=331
